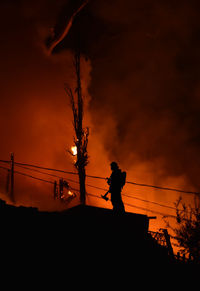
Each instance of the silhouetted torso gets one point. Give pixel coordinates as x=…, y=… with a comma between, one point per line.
x=115, y=190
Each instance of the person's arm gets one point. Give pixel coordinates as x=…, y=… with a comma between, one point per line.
x=105, y=195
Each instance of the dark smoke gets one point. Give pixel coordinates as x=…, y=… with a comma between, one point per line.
x=147, y=79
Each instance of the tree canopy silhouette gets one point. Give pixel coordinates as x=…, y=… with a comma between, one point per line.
x=188, y=230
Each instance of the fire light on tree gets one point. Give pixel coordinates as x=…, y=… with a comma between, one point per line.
x=76, y=100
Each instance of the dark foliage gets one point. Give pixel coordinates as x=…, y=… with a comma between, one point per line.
x=188, y=230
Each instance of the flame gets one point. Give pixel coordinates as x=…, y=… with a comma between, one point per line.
x=70, y=193
x=74, y=150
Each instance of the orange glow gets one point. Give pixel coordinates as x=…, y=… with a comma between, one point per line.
x=129, y=121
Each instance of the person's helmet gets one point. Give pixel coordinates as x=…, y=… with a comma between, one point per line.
x=114, y=166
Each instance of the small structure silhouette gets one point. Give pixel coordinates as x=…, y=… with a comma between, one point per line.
x=116, y=182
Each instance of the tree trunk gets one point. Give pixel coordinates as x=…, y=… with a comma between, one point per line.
x=82, y=185
x=81, y=138
x=81, y=146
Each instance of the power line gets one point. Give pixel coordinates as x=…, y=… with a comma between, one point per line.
x=4, y=168
x=38, y=171
x=148, y=201
x=163, y=188
x=152, y=211
x=103, y=178
x=134, y=206
x=27, y=175
x=56, y=170
x=36, y=178
x=95, y=187
x=138, y=207
x=51, y=175
x=128, y=182
x=60, y=177
x=96, y=196
x=134, y=197
x=45, y=168
x=90, y=194
x=150, y=186
x=3, y=161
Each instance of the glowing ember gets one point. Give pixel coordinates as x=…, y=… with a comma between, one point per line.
x=74, y=150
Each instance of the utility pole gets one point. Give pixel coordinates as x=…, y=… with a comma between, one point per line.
x=12, y=177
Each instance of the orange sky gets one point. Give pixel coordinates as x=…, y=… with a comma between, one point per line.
x=132, y=117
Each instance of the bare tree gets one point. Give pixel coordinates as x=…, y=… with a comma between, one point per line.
x=81, y=134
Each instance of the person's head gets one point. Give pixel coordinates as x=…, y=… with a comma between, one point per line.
x=114, y=166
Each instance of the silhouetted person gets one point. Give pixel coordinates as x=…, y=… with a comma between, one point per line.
x=116, y=183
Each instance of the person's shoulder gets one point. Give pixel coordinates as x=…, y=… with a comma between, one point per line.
x=118, y=172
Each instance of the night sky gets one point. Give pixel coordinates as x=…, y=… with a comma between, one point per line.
x=141, y=82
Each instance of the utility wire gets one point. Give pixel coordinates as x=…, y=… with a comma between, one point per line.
x=152, y=211
x=103, y=178
x=95, y=187
x=89, y=194
x=134, y=197
x=3, y=161
x=38, y=171
x=138, y=207
x=45, y=168
x=27, y=175
x=4, y=168
x=128, y=204
x=163, y=188
x=148, y=201
x=36, y=178
x=51, y=175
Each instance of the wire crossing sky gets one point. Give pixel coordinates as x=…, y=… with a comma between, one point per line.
x=103, y=178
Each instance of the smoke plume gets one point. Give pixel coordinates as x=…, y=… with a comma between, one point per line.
x=147, y=81
x=35, y=113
